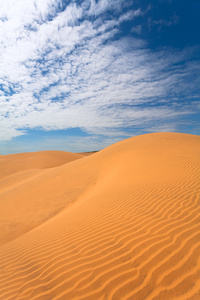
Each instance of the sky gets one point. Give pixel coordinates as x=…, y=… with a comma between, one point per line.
x=81, y=75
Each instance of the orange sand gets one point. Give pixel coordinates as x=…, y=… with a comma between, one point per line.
x=123, y=223
x=16, y=163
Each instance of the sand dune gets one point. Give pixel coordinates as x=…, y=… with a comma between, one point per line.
x=15, y=163
x=20, y=178
x=123, y=223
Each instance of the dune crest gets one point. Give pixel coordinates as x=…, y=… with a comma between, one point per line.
x=123, y=223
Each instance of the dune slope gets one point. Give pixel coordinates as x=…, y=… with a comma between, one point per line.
x=20, y=187
x=15, y=163
x=123, y=223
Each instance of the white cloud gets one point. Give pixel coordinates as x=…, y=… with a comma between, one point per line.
x=10, y=134
x=130, y=15
x=101, y=6
x=61, y=70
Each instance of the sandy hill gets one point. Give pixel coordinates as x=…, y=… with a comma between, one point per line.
x=17, y=169
x=15, y=163
x=123, y=223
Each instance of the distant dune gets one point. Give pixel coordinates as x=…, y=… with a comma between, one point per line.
x=16, y=163
x=123, y=223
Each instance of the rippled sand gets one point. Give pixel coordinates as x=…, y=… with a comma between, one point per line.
x=123, y=223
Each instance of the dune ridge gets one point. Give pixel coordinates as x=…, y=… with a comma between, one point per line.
x=123, y=223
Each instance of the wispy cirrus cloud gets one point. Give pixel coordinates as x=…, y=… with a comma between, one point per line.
x=68, y=66
x=163, y=22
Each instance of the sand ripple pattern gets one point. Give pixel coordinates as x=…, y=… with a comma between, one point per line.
x=130, y=236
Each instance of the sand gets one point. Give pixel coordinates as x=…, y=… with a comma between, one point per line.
x=15, y=163
x=122, y=223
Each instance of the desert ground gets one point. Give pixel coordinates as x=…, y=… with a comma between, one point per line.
x=122, y=223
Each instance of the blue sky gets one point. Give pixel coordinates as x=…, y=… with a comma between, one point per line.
x=81, y=75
